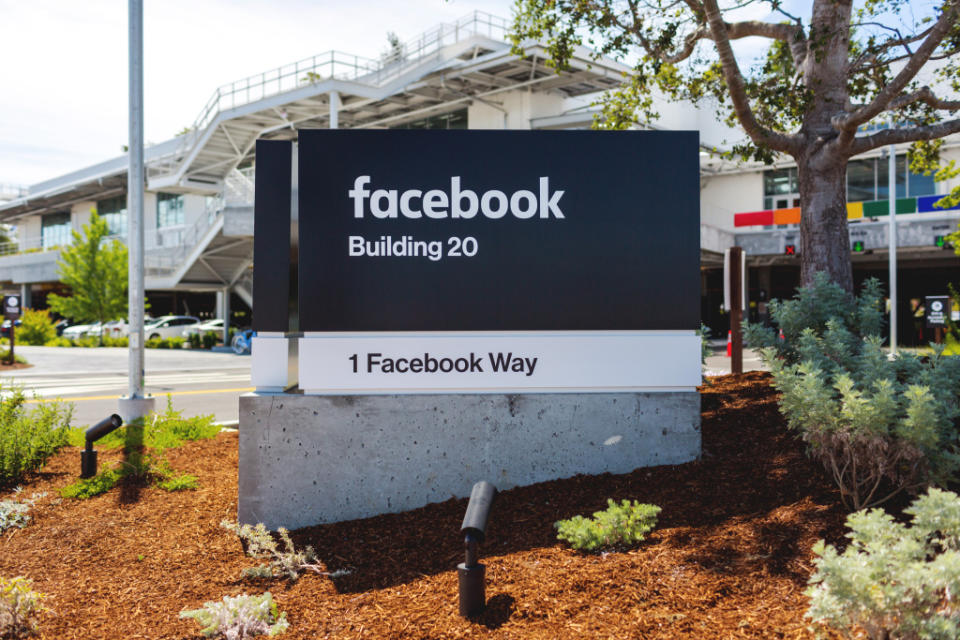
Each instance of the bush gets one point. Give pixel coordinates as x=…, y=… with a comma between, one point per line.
x=620, y=525
x=260, y=544
x=59, y=341
x=89, y=487
x=35, y=327
x=5, y=357
x=240, y=617
x=182, y=482
x=893, y=581
x=29, y=437
x=195, y=340
x=210, y=339
x=15, y=513
x=121, y=341
x=175, y=342
x=19, y=608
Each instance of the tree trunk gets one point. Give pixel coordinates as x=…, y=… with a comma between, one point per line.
x=824, y=238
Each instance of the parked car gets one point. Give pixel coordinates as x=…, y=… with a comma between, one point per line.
x=169, y=326
x=76, y=331
x=5, y=328
x=215, y=325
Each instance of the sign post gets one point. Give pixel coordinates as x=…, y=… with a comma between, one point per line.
x=937, y=312
x=11, y=311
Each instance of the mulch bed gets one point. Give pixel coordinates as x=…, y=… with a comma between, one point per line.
x=730, y=557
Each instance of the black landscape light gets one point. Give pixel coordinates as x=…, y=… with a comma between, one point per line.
x=88, y=457
x=471, y=572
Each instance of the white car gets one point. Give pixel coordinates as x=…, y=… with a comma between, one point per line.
x=169, y=326
x=202, y=328
x=76, y=331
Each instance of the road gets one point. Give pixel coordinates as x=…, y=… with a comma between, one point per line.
x=197, y=382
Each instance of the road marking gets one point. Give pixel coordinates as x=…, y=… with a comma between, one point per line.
x=192, y=392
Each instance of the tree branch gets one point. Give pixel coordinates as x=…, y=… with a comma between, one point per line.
x=850, y=122
x=793, y=35
x=925, y=94
x=912, y=134
x=738, y=95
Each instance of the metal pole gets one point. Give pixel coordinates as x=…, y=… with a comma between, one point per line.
x=334, y=110
x=736, y=309
x=892, y=187
x=135, y=405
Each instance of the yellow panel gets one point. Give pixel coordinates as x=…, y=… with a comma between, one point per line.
x=854, y=210
x=786, y=216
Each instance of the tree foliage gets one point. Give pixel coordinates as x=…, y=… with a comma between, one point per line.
x=95, y=269
x=821, y=92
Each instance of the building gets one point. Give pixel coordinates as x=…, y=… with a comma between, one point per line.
x=199, y=192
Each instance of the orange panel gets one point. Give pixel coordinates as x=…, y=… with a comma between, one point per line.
x=786, y=216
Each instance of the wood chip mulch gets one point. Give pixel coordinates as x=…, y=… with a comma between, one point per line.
x=730, y=557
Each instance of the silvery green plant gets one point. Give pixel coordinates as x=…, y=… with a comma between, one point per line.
x=893, y=580
x=259, y=543
x=20, y=607
x=239, y=617
x=620, y=525
x=15, y=513
x=878, y=425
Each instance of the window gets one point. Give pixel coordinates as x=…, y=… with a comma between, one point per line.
x=169, y=210
x=867, y=180
x=114, y=212
x=780, y=189
x=455, y=120
x=55, y=230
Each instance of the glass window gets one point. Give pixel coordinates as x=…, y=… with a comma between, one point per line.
x=455, y=120
x=114, y=211
x=169, y=210
x=861, y=180
x=780, y=182
x=920, y=185
x=55, y=230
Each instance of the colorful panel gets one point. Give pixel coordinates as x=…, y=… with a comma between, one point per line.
x=854, y=210
x=787, y=216
x=876, y=208
x=752, y=218
x=906, y=205
x=925, y=204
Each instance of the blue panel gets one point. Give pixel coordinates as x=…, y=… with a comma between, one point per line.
x=925, y=204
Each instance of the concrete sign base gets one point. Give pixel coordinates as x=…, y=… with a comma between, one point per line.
x=308, y=460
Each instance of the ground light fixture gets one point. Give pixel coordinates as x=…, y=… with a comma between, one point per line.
x=88, y=457
x=470, y=573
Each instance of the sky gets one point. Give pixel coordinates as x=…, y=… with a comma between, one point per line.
x=63, y=64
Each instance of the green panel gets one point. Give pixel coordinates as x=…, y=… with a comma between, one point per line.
x=876, y=208
x=906, y=205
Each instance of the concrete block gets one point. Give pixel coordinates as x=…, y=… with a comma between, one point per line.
x=307, y=460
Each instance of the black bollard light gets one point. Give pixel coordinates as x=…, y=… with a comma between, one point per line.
x=88, y=457
x=470, y=573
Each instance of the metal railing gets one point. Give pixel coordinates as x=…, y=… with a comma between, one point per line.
x=341, y=66
x=10, y=191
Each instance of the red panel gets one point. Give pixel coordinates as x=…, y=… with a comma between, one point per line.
x=752, y=218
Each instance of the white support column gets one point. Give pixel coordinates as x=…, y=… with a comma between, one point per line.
x=26, y=299
x=892, y=187
x=223, y=310
x=334, y=110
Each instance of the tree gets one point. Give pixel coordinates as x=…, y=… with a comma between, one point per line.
x=95, y=269
x=820, y=82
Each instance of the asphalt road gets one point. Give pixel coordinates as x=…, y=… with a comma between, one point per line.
x=197, y=382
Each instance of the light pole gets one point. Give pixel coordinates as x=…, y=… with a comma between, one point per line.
x=892, y=188
x=135, y=404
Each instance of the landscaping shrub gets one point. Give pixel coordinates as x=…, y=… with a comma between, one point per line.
x=59, y=341
x=120, y=341
x=89, y=487
x=878, y=426
x=15, y=513
x=210, y=339
x=240, y=617
x=260, y=544
x=19, y=607
x=36, y=327
x=5, y=356
x=893, y=581
x=28, y=437
x=175, y=342
x=195, y=341
x=620, y=525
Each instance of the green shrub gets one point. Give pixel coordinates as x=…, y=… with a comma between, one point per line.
x=181, y=482
x=705, y=351
x=89, y=487
x=620, y=525
x=59, y=341
x=195, y=340
x=893, y=581
x=161, y=431
x=120, y=341
x=36, y=327
x=88, y=342
x=240, y=617
x=19, y=607
x=5, y=357
x=28, y=437
x=879, y=426
x=210, y=339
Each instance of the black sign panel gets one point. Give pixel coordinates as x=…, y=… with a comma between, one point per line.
x=937, y=310
x=11, y=306
x=406, y=230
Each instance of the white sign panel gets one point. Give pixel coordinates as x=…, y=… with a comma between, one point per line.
x=345, y=363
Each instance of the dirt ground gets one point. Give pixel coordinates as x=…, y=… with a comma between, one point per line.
x=729, y=558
